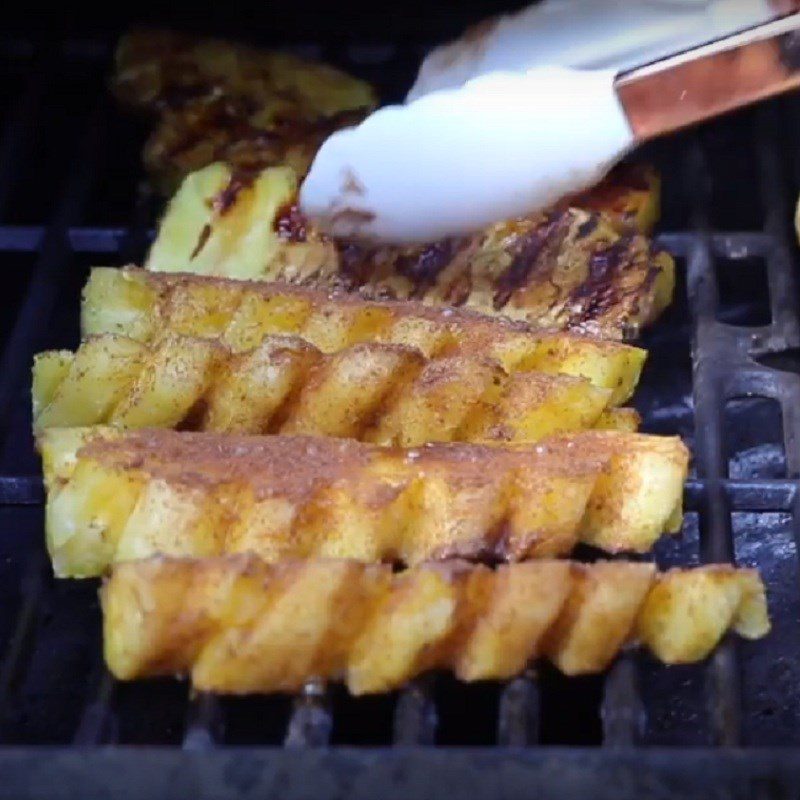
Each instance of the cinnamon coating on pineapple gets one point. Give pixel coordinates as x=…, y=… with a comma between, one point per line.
x=115, y=495
x=237, y=625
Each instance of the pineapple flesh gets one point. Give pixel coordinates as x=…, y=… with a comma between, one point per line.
x=373, y=391
x=115, y=495
x=255, y=627
x=145, y=305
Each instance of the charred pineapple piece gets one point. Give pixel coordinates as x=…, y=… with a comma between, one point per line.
x=284, y=497
x=572, y=267
x=630, y=195
x=377, y=392
x=144, y=305
x=256, y=627
x=219, y=101
x=239, y=226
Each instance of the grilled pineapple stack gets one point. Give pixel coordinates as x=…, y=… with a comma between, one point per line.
x=272, y=539
x=256, y=452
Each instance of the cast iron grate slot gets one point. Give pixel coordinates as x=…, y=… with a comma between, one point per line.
x=723, y=367
x=415, y=716
x=205, y=723
x=311, y=722
x=518, y=714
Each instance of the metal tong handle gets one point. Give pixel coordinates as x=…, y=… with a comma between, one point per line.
x=712, y=79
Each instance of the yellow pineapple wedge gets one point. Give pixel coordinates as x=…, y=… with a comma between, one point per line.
x=255, y=627
x=115, y=495
x=146, y=305
x=374, y=391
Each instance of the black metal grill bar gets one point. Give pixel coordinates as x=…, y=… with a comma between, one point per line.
x=311, y=721
x=518, y=714
x=415, y=715
x=37, y=572
x=28, y=238
x=622, y=709
x=205, y=723
x=709, y=356
x=98, y=723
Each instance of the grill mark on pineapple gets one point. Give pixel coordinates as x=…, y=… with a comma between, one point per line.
x=304, y=363
x=399, y=384
x=526, y=260
x=202, y=240
x=601, y=293
x=195, y=416
x=226, y=199
x=423, y=268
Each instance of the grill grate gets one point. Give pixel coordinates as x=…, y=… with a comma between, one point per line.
x=65, y=152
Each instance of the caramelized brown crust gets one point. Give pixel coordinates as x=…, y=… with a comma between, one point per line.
x=220, y=101
x=144, y=305
x=116, y=495
x=237, y=625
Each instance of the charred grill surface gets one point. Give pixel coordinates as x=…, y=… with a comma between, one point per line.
x=67, y=188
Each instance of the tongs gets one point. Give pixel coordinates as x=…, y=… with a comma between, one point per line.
x=713, y=79
x=447, y=165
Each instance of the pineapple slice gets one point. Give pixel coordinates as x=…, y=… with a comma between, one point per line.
x=284, y=496
x=382, y=393
x=237, y=625
x=144, y=305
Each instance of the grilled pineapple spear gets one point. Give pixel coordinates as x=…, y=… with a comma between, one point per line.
x=255, y=627
x=568, y=268
x=377, y=392
x=115, y=495
x=145, y=305
x=219, y=101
